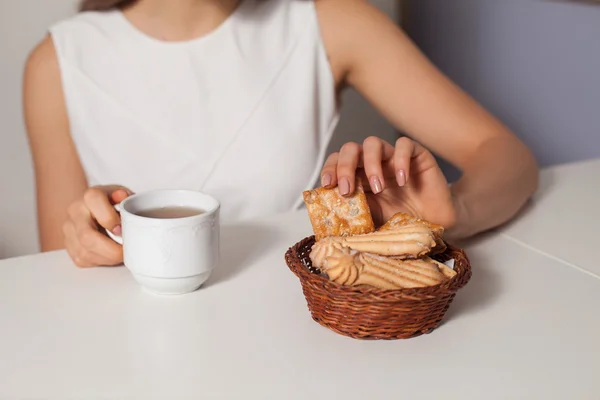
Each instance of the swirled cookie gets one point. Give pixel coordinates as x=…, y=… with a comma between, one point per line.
x=325, y=248
x=343, y=267
x=338, y=262
x=332, y=214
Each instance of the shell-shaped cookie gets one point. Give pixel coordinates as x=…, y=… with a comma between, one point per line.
x=393, y=273
x=409, y=242
x=403, y=221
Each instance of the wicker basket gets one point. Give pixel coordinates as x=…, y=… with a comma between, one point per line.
x=371, y=313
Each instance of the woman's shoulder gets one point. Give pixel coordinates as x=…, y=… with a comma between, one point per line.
x=349, y=19
x=42, y=61
x=352, y=30
x=44, y=57
x=345, y=26
x=43, y=101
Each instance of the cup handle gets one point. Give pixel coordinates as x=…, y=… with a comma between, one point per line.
x=111, y=235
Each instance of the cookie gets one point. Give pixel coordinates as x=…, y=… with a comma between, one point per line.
x=390, y=273
x=410, y=241
x=332, y=214
x=401, y=220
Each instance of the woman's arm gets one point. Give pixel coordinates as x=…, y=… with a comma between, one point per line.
x=59, y=176
x=379, y=60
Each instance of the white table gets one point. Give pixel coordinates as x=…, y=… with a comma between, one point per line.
x=525, y=327
x=563, y=220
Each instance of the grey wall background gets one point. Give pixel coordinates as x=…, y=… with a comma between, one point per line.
x=533, y=63
x=22, y=24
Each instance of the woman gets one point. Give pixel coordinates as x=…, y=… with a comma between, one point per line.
x=239, y=99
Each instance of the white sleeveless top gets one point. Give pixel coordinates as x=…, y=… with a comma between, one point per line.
x=244, y=114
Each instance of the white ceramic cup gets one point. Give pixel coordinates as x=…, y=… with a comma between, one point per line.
x=170, y=256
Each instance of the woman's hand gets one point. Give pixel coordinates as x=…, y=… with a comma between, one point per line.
x=85, y=240
x=405, y=178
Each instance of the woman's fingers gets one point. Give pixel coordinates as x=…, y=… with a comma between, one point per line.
x=348, y=160
x=118, y=195
x=98, y=203
x=329, y=171
x=373, y=161
x=108, y=252
x=372, y=158
x=356, y=161
x=85, y=239
x=376, y=152
x=403, y=154
x=86, y=246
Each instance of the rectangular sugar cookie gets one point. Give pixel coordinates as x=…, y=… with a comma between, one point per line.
x=332, y=214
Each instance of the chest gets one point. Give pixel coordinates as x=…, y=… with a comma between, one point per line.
x=231, y=133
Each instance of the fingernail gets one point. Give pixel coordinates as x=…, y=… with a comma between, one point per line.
x=375, y=184
x=344, y=186
x=117, y=230
x=326, y=180
x=401, y=178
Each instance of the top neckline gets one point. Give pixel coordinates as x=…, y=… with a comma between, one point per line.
x=180, y=43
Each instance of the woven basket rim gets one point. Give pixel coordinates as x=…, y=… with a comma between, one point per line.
x=452, y=285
